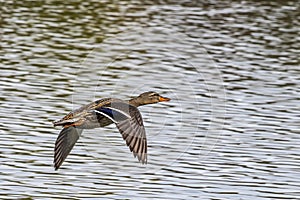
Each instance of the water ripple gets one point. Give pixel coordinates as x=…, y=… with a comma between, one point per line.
x=230, y=132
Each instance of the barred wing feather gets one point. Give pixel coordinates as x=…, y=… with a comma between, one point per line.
x=129, y=121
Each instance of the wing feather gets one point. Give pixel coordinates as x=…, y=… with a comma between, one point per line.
x=128, y=120
x=133, y=132
x=64, y=144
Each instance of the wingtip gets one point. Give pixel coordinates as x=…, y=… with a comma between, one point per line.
x=142, y=158
x=56, y=166
x=144, y=162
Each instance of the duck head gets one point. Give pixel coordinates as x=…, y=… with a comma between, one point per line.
x=148, y=98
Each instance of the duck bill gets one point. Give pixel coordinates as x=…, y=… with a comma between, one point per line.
x=161, y=99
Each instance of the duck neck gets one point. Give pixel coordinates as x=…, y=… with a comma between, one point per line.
x=135, y=102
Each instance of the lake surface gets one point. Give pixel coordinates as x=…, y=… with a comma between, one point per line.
x=231, y=68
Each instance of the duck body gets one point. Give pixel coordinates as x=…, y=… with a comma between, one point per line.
x=103, y=112
x=85, y=117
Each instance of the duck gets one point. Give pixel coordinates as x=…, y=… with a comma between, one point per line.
x=103, y=112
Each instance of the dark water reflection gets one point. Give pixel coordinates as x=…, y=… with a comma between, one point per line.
x=231, y=68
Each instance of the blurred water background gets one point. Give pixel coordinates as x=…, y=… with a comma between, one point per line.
x=231, y=68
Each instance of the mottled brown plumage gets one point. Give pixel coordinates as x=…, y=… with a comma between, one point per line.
x=103, y=112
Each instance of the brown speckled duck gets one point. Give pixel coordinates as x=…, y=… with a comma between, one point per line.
x=103, y=112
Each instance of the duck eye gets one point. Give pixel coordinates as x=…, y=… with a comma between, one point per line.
x=154, y=95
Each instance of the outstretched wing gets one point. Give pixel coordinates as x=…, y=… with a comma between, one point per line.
x=64, y=144
x=129, y=121
x=133, y=132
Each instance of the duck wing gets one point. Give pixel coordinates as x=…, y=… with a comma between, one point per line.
x=128, y=120
x=64, y=144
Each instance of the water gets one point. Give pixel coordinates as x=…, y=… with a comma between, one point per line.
x=231, y=68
